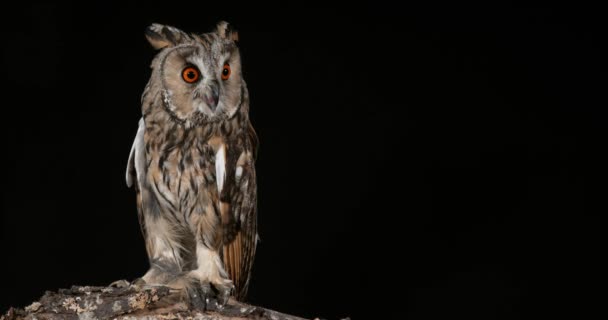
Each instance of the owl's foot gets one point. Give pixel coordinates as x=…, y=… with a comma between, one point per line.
x=202, y=294
x=122, y=283
x=222, y=289
x=138, y=283
x=198, y=295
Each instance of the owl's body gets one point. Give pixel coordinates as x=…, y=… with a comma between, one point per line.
x=193, y=162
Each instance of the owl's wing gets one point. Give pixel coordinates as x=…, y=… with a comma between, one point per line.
x=135, y=176
x=240, y=224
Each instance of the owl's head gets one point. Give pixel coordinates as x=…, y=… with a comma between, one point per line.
x=199, y=75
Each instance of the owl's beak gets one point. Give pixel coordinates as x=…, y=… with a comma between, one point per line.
x=211, y=95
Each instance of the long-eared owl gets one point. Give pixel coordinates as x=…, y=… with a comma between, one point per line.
x=192, y=165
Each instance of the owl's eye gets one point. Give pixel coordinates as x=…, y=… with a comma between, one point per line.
x=226, y=72
x=191, y=74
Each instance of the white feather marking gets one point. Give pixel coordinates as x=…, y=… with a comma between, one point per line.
x=243, y=159
x=238, y=173
x=220, y=167
x=136, y=157
x=167, y=98
x=140, y=155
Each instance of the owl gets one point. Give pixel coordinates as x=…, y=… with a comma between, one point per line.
x=192, y=166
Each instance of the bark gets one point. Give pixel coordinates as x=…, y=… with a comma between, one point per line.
x=89, y=303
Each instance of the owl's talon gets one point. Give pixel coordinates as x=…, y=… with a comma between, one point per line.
x=198, y=295
x=120, y=284
x=223, y=294
x=195, y=298
x=138, y=283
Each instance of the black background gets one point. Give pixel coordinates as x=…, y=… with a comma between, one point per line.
x=416, y=162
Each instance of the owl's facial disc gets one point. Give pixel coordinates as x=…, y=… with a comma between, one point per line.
x=202, y=82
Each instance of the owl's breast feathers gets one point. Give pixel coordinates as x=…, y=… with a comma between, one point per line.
x=202, y=180
x=195, y=170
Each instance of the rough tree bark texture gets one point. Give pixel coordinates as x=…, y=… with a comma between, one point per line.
x=89, y=303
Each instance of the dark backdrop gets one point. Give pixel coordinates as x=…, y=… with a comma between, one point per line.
x=415, y=162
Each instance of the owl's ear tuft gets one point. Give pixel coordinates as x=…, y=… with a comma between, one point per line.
x=161, y=36
x=225, y=31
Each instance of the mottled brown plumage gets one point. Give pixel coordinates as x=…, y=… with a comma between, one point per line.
x=193, y=164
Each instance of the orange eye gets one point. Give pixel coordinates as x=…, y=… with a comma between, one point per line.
x=226, y=72
x=191, y=74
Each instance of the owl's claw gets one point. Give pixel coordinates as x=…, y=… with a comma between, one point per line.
x=138, y=283
x=223, y=294
x=120, y=284
x=198, y=295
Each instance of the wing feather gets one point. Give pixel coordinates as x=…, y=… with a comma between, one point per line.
x=135, y=177
x=136, y=155
x=240, y=232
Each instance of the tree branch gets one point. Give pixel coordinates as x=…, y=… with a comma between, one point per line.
x=89, y=303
